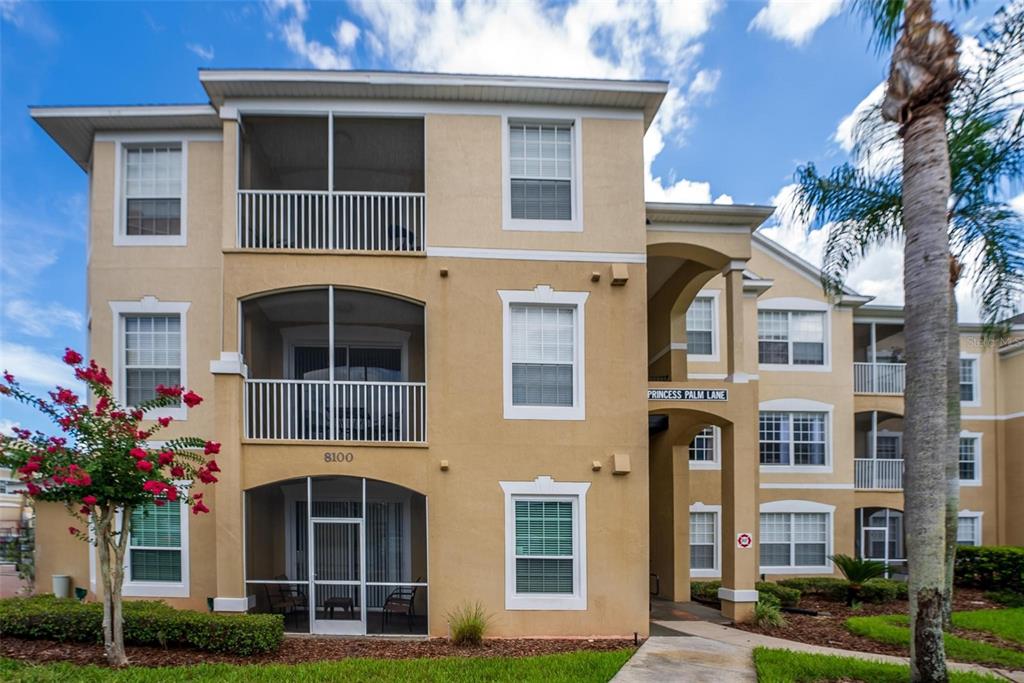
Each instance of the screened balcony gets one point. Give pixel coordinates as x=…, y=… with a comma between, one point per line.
x=879, y=366
x=878, y=451
x=333, y=364
x=366, y=542
x=331, y=183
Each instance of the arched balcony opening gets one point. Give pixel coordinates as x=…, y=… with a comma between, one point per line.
x=334, y=364
x=878, y=451
x=880, y=537
x=366, y=542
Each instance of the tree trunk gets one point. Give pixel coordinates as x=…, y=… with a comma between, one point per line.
x=922, y=75
x=953, y=452
x=111, y=547
x=926, y=288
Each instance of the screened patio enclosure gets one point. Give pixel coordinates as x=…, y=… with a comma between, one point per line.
x=366, y=542
x=334, y=364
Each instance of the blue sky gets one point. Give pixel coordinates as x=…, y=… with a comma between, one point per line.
x=757, y=88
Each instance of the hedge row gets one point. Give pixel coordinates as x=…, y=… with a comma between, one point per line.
x=145, y=623
x=834, y=589
x=990, y=567
x=707, y=591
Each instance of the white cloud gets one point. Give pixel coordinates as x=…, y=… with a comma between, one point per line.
x=1018, y=203
x=41, y=320
x=650, y=38
x=794, y=21
x=7, y=426
x=346, y=34
x=28, y=18
x=201, y=51
x=31, y=366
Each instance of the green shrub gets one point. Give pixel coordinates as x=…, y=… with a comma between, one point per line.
x=767, y=613
x=824, y=587
x=882, y=590
x=145, y=623
x=1006, y=598
x=990, y=567
x=836, y=590
x=705, y=591
x=467, y=624
x=787, y=597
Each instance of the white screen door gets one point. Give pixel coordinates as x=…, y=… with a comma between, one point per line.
x=338, y=596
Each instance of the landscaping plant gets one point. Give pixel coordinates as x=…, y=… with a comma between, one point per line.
x=767, y=611
x=467, y=623
x=857, y=573
x=102, y=468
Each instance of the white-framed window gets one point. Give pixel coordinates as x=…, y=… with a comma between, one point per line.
x=968, y=528
x=543, y=354
x=705, y=449
x=149, y=349
x=705, y=540
x=541, y=162
x=793, y=334
x=970, y=394
x=702, y=328
x=157, y=558
x=793, y=438
x=151, y=198
x=889, y=445
x=970, y=459
x=796, y=537
x=545, y=545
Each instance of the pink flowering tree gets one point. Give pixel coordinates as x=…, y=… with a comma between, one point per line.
x=101, y=467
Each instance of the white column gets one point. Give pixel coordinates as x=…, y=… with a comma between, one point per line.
x=330, y=187
x=874, y=360
x=331, y=400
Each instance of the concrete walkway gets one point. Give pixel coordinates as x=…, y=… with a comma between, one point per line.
x=701, y=651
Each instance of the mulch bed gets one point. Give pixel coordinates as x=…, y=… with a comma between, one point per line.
x=299, y=649
x=829, y=629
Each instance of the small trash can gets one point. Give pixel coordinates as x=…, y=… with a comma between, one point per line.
x=62, y=585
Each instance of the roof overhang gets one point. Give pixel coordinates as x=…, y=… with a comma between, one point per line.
x=750, y=216
x=74, y=128
x=848, y=297
x=639, y=95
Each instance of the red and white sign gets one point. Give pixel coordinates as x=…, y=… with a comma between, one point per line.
x=744, y=540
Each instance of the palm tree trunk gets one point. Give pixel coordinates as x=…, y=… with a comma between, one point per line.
x=953, y=453
x=921, y=79
x=926, y=290
x=926, y=284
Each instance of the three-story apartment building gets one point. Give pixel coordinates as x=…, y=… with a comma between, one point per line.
x=451, y=354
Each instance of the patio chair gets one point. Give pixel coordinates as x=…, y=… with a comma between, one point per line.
x=401, y=600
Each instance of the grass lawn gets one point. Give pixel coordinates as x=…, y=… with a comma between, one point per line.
x=784, y=666
x=894, y=629
x=1005, y=623
x=573, y=666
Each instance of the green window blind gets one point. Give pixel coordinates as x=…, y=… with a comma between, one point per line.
x=544, y=546
x=155, y=548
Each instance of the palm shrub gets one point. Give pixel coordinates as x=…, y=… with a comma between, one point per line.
x=467, y=623
x=857, y=572
x=768, y=611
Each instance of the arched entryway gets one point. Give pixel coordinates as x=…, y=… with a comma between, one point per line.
x=880, y=537
x=366, y=542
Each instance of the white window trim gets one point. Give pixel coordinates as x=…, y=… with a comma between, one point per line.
x=714, y=356
x=800, y=405
x=798, y=506
x=977, y=436
x=800, y=305
x=978, y=525
x=542, y=487
x=121, y=236
x=976, y=357
x=717, y=571
x=715, y=464
x=543, y=294
x=148, y=305
x=541, y=225
x=162, y=589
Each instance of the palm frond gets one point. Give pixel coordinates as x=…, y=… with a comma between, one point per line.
x=861, y=211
